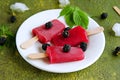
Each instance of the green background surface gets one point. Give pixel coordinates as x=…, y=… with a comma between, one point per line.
x=107, y=67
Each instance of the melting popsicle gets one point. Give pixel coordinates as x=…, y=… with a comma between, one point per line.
x=56, y=54
x=76, y=36
x=44, y=33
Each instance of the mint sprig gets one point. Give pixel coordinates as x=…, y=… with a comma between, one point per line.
x=5, y=32
x=74, y=16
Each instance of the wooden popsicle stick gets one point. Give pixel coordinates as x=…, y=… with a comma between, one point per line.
x=95, y=31
x=116, y=9
x=29, y=42
x=37, y=56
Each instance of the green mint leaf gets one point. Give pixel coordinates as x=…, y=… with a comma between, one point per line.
x=4, y=30
x=84, y=19
x=69, y=20
x=80, y=18
x=66, y=10
x=77, y=17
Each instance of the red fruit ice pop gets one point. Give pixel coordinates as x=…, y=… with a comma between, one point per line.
x=56, y=54
x=76, y=36
x=44, y=33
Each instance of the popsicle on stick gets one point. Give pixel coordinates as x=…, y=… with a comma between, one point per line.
x=44, y=33
x=55, y=54
x=76, y=36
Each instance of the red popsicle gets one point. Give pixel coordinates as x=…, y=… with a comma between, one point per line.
x=76, y=36
x=55, y=54
x=44, y=33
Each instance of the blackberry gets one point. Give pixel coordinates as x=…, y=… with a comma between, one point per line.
x=44, y=46
x=104, y=15
x=66, y=48
x=48, y=25
x=116, y=52
x=83, y=46
x=12, y=19
x=67, y=28
x=65, y=34
x=2, y=40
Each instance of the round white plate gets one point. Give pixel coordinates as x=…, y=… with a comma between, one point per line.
x=95, y=47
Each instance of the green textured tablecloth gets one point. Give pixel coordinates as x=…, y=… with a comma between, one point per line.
x=107, y=67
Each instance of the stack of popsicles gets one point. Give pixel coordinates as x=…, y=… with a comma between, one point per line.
x=52, y=32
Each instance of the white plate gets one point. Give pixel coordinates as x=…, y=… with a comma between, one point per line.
x=95, y=47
